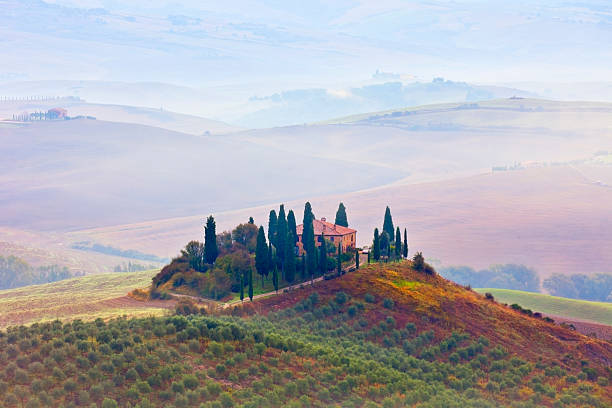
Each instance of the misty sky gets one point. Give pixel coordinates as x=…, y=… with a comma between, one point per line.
x=276, y=44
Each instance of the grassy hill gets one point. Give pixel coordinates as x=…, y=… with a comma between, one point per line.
x=598, y=312
x=87, y=298
x=382, y=336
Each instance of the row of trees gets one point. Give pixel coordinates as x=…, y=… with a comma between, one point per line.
x=389, y=244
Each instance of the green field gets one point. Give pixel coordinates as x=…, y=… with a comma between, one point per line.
x=598, y=312
x=87, y=298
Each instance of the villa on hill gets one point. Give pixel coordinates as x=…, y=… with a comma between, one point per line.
x=339, y=235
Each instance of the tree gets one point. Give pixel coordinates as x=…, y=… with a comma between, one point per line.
x=291, y=225
x=289, y=260
x=388, y=224
x=242, y=287
x=251, y=220
x=308, y=239
x=210, y=241
x=275, y=278
x=376, y=245
x=356, y=258
x=418, y=262
x=194, y=253
x=405, y=243
x=245, y=235
x=281, y=235
x=272, y=223
x=261, y=255
x=323, y=256
x=303, y=269
x=339, y=259
x=251, y=284
x=398, y=243
x=341, y=216
x=385, y=244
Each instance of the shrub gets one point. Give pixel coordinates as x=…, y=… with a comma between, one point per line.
x=388, y=303
x=341, y=298
x=368, y=297
x=109, y=403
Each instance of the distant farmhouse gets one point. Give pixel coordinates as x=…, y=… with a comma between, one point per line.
x=339, y=235
x=57, y=113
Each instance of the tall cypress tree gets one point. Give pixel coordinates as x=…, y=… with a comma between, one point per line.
x=251, y=220
x=339, y=260
x=356, y=259
x=272, y=223
x=275, y=278
x=388, y=224
x=261, y=255
x=376, y=245
x=385, y=244
x=303, y=269
x=210, y=241
x=323, y=256
x=291, y=225
x=251, y=284
x=281, y=235
x=398, y=243
x=405, y=243
x=308, y=239
x=289, y=261
x=241, y=286
x=341, y=216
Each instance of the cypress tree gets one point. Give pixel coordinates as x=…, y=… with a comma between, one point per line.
x=242, y=286
x=281, y=235
x=384, y=244
x=323, y=256
x=271, y=263
x=339, y=260
x=356, y=259
x=398, y=243
x=303, y=269
x=376, y=245
x=210, y=241
x=275, y=278
x=341, y=216
x=369, y=252
x=291, y=225
x=261, y=255
x=251, y=284
x=272, y=223
x=405, y=243
x=308, y=239
x=289, y=261
x=388, y=224
x=251, y=220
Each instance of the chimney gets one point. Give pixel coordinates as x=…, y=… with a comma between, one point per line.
x=323, y=219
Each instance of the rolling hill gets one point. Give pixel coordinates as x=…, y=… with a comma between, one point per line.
x=160, y=118
x=597, y=312
x=383, y=335
x=87, y=298
x=67, y=175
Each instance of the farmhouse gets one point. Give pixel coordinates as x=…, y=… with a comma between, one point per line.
x=337, y=234
x=57, y=113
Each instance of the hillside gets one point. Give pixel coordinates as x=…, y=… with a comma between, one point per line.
x=160, y=117
x=597, y=312
x=384, y=335
x=87, y=298
x=539, y=217
x=77, y=174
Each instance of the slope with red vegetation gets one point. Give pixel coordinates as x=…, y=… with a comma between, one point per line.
x=434, y=303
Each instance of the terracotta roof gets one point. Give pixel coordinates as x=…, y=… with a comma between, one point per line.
x=327, y=228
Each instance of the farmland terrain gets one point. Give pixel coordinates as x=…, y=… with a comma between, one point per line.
x=385, y=333
x=87, y=298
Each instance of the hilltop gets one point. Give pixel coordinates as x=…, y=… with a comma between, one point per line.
x=385, y=335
